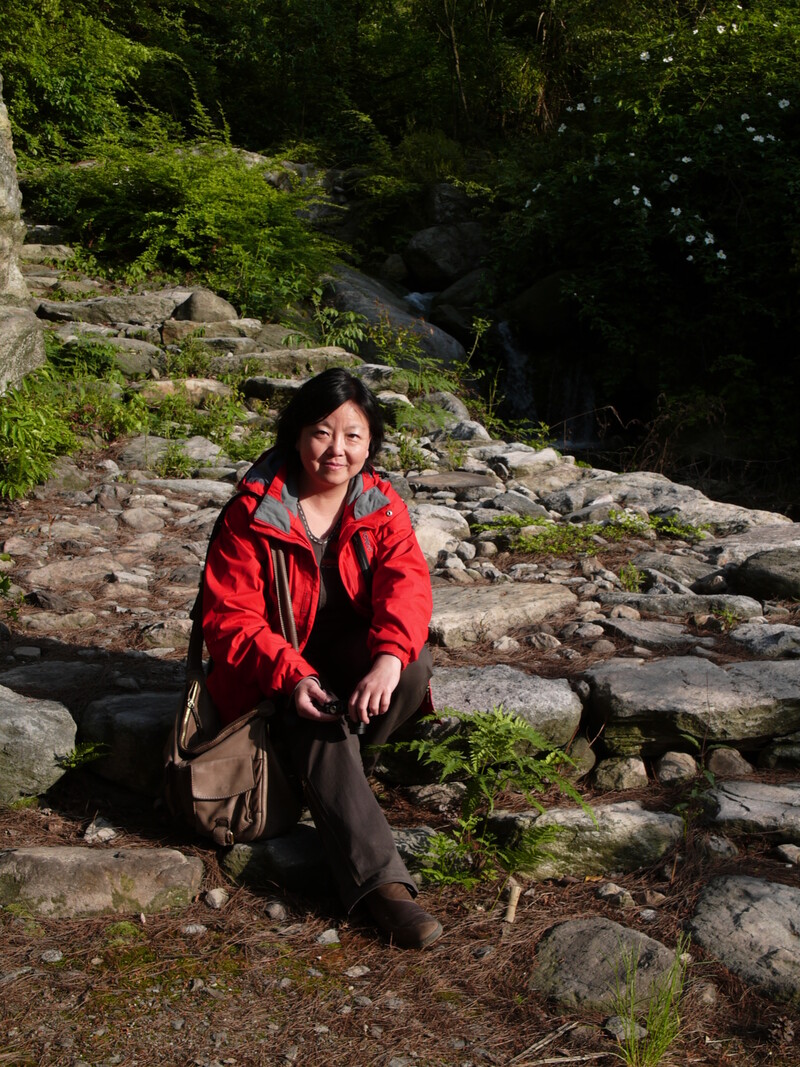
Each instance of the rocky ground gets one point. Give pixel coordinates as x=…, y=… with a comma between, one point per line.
x=667, y=665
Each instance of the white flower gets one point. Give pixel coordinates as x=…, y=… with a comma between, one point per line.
x=646, y=202
x=720, y=29
x=616, y=202
x=673, y=178
x=644, y=56
x=562, y=127
x=536, y=187
x=758, y=137
x=597, y=99
x=709, y=238
x=632, y=154
x=744, y=116
x=686, y=159
x=719, y=128
x=675, y=211
x=570, y=109
x=771, y=137
x=689, y=238
x=751, y=129
x=695, y=33
x=527, y=203
x=635, y=190
x=783, y=104
x=667, y=59
x=690, y=259
x=580, y=107
x=721, y=255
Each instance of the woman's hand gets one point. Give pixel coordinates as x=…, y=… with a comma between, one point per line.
x=373, y=694
x=308, y=695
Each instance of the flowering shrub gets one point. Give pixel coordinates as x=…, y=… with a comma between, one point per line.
x=667, y=195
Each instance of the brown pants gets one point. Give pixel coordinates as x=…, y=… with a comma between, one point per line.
x=328, y=759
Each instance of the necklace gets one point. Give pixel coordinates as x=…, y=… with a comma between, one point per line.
x=312, y=537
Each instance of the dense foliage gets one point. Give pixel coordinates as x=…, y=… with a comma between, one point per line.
x=641, y=161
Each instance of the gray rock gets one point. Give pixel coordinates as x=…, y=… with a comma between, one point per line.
x=656, y=603
x=737, y=547
x=35, y=738
x=353, y=291
x=724, y=762
x=620, y=774
x=649, y=707
x=583, y=963
x=751, y=926
x=71, y=882
x=768, y=640
x=756, y=808
x=140, y=309
x=204, y=306
x=21, y=343
x=134, y=729
x=609, y=837
x=549, y=705
x=653, y=634
x=296, y=861
x=684, y=568
x=773, y=574
x=440, y=255
x=463, y=616
x=676, y=767
x=437, y=528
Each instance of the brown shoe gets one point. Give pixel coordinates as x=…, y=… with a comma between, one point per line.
x=400, y=918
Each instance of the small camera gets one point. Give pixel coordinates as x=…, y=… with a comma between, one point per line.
x=332, y=707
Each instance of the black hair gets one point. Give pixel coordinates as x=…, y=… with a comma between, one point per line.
x=321, y=395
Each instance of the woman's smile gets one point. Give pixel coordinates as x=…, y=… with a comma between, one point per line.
x=334, y=449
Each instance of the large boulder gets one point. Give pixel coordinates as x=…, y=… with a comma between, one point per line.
x=353, y=291
x=36, y=736
x=70, y=882
x=650, y=708
x=21, y=338
x=751, y=926
x=774, y=573
x=585, y=963
x=440, y=255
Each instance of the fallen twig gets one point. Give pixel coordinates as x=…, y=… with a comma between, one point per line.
x=540, y=1044
x=514, y=891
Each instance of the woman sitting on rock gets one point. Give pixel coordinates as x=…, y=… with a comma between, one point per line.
x=361, y=600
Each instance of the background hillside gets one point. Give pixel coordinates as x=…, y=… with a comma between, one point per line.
x=634, y=169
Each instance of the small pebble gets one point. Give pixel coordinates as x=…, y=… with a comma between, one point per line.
x=51, y=955
x=217, y=898
x=328, y=937
x=194, y=929
x=276, y=910
x=358, y=971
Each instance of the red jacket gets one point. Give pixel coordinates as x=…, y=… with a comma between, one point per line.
x=241, y=625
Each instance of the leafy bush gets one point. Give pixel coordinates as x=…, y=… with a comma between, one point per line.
x=665, y=194
x=490, y=752
x=44, y=416
x=153, y=203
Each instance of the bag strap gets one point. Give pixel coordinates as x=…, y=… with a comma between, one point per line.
x=194, y=655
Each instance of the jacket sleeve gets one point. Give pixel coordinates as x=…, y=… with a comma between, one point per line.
x=238, y=601
x=402, y=601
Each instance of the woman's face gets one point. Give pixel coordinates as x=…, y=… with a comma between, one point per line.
x=334, y=449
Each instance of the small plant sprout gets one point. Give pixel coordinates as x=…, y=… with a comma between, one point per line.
x=631, y=578
x=648, y=1032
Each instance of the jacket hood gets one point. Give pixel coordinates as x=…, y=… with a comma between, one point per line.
x=272, y=479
